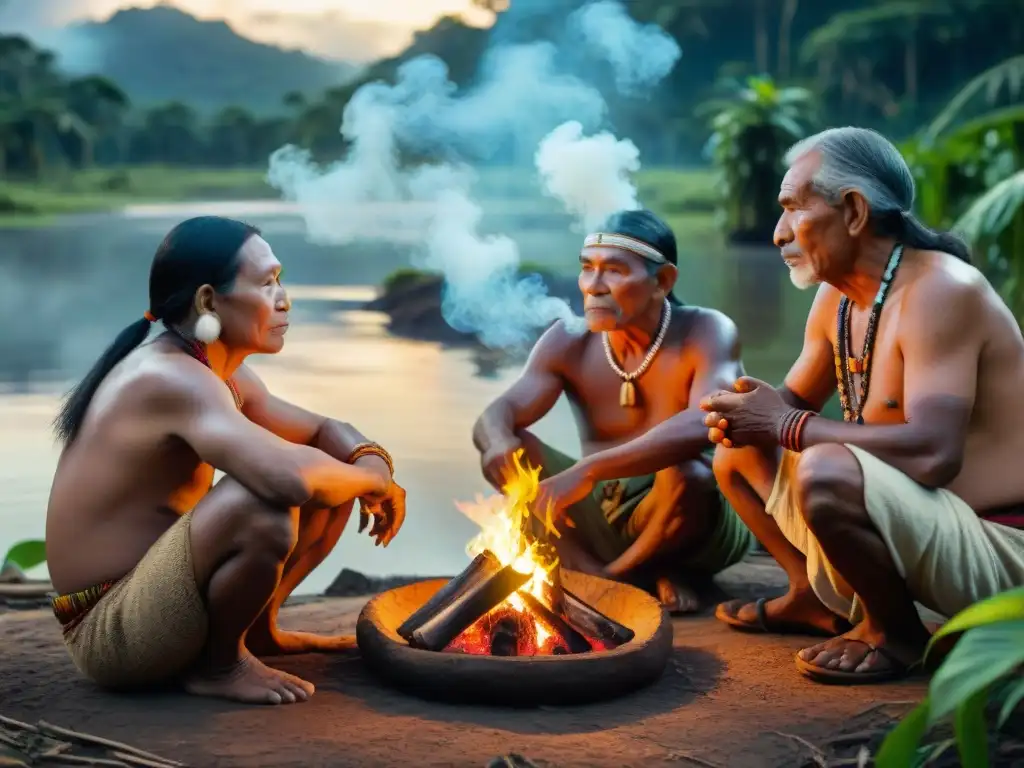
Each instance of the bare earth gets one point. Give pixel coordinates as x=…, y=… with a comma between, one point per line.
x=726, y=699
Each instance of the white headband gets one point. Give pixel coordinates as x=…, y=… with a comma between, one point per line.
x=627, y=244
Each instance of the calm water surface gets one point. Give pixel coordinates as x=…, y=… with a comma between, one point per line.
x=66, y=290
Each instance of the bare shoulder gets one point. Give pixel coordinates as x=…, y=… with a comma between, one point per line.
x=250, y=385
x=167, y=382
x=944, y=291
x=706, y=329
x=556, y=344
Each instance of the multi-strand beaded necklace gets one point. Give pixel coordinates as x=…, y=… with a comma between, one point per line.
x=848, y=364
x=198, y=351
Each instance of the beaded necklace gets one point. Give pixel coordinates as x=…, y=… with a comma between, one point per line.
x=198, y=351
x=627, y=391
x=848, y=364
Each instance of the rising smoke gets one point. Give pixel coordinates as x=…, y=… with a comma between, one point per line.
x=526, y=104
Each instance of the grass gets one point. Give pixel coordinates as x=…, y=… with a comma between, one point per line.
x=103, y=189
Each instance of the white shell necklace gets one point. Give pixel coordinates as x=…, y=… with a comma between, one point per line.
x=627, y=392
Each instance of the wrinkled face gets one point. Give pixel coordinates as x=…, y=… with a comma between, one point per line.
x=618, y=287
x=254, y=313
x=814, y=236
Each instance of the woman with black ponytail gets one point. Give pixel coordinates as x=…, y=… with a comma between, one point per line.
x=162, y=576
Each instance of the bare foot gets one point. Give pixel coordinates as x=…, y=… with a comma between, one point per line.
x=797, y=612
x=251, y=682
x=677, y=598
x=280, y=643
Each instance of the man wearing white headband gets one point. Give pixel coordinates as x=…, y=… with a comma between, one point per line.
x=642, y=502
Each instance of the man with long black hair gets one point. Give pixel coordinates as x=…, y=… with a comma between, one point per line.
x=162, y=576
x=642, y=503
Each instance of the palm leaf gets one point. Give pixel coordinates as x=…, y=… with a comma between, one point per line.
x=25, y=554
x=987, y=217
x=1014, y=696
x=981, y=657
x=900, y=746
x=991, y=81
x=969, y=727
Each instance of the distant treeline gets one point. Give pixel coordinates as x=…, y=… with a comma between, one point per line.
x=871, y=63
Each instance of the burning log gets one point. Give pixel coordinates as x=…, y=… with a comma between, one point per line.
x=574, y=640
x=553, y=592
x=445, y=625
x=593, y=623
x=505, y=637
x=483, y=566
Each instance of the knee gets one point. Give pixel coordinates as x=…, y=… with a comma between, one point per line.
x=262, y=528
x=830, y=487
x=730, y=463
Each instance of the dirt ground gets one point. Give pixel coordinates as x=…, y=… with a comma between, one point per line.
x=726, y=699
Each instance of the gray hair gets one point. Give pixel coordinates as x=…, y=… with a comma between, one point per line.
x=863, y=160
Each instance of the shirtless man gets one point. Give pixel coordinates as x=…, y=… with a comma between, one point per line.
x=163, y=577
x=917, y=495
x=642, y=501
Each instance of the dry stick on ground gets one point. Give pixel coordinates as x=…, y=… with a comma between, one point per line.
x=94, y=761
x=692, y=759
x=816, y=754
x=117, y=746
x=10, y=722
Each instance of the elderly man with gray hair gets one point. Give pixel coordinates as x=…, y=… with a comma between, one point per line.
x=917, y=495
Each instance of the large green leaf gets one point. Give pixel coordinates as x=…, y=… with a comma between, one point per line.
x=1006, y=606
x=1009, y=73
x=900, y=746
x=1014, y=696
x=969, y=727
x=26, y=554
x=982, y=656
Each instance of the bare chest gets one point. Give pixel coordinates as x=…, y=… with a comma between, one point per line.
x=609, y=409
x=871, y=374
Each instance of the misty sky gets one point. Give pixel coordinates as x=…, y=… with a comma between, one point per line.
x=355, y=30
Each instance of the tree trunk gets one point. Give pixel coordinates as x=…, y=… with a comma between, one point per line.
x=761, y=35
x=789, y=8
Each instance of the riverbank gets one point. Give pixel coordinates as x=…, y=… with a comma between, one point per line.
x=726, y=699
x=36, y=203
x=686, y=197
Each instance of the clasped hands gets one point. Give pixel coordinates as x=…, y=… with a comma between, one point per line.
x=752, y=414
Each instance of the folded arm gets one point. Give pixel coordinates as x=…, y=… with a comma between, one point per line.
x=941, y=342
x=199, y=409
x=812, y=379
x=715, y=348
x=297, y=425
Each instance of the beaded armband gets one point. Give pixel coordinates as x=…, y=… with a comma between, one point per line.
x=372, y=449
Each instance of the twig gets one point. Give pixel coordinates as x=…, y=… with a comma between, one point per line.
x=12, y=762
x=816, y=754
x=883, y=704
x=140, y=761
x=97, y=761
x=693, y=759
x=10, y=722
x=118, y=746
x=851, y=738
x=11, y=741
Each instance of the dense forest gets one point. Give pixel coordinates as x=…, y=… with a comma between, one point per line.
x=870, y=63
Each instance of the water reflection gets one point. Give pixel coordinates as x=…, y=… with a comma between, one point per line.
x=66, y=291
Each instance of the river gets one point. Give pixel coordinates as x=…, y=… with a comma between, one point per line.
x=66, y=289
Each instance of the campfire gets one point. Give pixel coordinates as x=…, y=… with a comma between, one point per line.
x=510, y=600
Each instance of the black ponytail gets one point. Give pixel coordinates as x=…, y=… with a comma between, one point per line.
x=199, y=251
x=909, y=230
x=72, y=411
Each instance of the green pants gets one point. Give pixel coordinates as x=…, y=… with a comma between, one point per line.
x=607, y=522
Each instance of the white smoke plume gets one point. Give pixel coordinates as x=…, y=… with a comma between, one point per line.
x=520, y=98
x=590, y=175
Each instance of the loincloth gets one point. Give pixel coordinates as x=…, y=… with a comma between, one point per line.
x=145, y=628
x=949, y=557
x=611, y=518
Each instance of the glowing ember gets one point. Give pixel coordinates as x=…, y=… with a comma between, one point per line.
x=505, y=529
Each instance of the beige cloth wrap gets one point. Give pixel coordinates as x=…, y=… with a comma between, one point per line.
x=949, y=557
x=151, y=625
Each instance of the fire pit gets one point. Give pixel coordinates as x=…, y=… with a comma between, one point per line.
x=514, y=628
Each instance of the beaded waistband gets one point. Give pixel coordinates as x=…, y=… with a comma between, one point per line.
x=71, y=608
